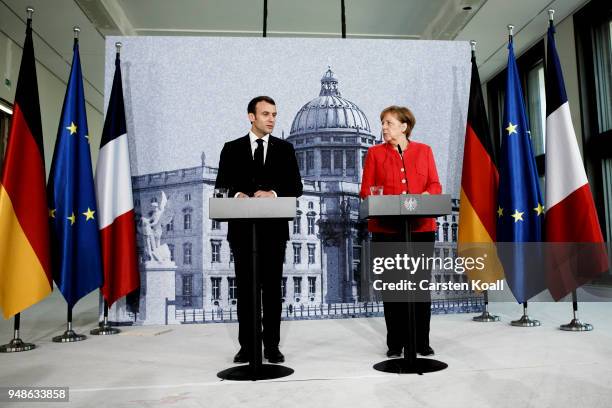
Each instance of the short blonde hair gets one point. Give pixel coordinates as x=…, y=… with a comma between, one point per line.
x=403, y=114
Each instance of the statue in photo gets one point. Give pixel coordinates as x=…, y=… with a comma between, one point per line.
x=151, y=229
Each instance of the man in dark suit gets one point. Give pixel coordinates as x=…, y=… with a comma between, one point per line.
x=259, y=165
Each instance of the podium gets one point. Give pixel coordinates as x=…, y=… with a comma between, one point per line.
x=404, y=208
x=254, y=210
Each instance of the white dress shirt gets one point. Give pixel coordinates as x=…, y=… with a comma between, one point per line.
x=254, y=138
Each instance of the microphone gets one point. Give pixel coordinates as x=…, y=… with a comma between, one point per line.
x=399, y=149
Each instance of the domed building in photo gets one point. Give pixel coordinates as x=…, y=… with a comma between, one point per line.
x=331, y=136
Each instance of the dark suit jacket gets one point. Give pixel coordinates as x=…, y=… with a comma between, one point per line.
x=280, y=173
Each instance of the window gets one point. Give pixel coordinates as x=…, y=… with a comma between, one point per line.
x=445, y=231
x=297, y=253
x=300, y=159
x=356, y=252
x=309, y=161
x=187, y=290
x=311, y=224
x=536, y=107
x=136, y=201
x=187, y=221
x=188, y=197
x=531, y=73
x=216, y=225
x=454, y=232
x=311, y=253
x=284, y=287
x=5, y=124
x=232, y=292
x=326, y=160
x=231, y=255
x=215, y=288
x=297, y=287
x=187, y=253
x=310, y=205
x=363, y=157
x=338, y=161
x=170, y=225
x=171, y=249
x=593, y=31
x=216, y=251
x=350, y=160
x=312, y=286
x=296, y=225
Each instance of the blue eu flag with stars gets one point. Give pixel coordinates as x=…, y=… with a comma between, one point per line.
x=73, y=216
x=520, y=212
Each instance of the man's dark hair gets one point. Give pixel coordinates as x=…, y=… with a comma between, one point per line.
x=256, y=100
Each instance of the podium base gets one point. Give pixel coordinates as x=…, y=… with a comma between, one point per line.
x=402, y=366
x=264, y=372
x=16, y=346
x=576, y=325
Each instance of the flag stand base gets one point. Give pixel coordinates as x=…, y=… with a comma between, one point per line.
x=104, y=329
x=576, y=325
x=69, y=336
x=486, y=317
x=16, y=346
x=525, y=321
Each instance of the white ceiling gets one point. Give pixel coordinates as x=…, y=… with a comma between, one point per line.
x=408, y=19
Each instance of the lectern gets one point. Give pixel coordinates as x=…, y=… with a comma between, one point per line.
x=404, y=208
x=256, y=211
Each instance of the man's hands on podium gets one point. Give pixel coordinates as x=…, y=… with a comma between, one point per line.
x=258, y=194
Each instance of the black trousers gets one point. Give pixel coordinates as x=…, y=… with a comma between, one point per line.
x=271, y=254
x=396, y=313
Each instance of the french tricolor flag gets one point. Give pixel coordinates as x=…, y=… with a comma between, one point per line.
x=115, y=202
x=571, y=216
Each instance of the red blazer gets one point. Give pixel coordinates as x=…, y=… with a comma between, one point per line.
x=383, y=167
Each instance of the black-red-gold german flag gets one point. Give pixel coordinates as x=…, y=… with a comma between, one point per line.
x=479, y=184
x=25, y=259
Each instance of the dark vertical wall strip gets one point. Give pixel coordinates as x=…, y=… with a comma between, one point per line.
x=265, y=18
x=343, y=12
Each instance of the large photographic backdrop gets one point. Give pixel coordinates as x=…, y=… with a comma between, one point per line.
x=186, y=96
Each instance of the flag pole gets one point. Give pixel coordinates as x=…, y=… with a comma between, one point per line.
x=485, y=316
x=16, y=344
x=70, y=336
x=525, y=320
x=104, y=328
x=576, y=324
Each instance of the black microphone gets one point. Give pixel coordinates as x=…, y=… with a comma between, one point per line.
x=399, y=149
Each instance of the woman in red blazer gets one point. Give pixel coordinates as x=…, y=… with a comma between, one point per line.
x=383, y=167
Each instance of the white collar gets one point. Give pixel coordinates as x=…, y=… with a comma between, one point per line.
x=254, y=137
